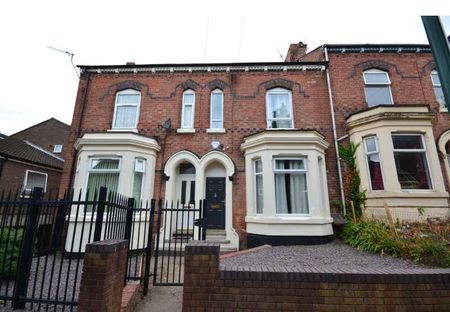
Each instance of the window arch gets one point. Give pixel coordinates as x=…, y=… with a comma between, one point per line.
x=216, y=109
x=188, y=109
x=126, y=111
x=279, y=108
x=377, y=87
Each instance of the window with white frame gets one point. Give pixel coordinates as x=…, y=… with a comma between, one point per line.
x=411, y=161
x=373, y=163
x=57, y=149
x=216, y=109
x=377, y=87
x=291, y=190
x=279, y=108
x=34, y=179
x=188, y=109
x=437, y=88
x=258, y=170
x=138, y=179
x=103, y=172
x=126, y=113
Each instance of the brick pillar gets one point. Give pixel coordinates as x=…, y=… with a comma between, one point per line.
x=201, y=272
x=103, y=275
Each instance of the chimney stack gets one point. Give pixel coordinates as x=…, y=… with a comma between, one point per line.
x=296, y=52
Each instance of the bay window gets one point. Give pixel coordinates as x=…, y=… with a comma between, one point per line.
x=377, y=87
x=188, y=109
x=411, y=161
x=279, y=108
x=373, y=163
x=138, y=179
x=103, y=172
x=126, y=112
x=258, y=170
x=291, y=191
x=216, y=109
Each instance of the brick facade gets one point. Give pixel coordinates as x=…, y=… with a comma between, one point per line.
x=209, y=288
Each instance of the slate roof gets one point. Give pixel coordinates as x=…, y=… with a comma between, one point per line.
x=14, y=148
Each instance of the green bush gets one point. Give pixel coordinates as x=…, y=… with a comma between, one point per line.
x=10, y=242
x=375, y=236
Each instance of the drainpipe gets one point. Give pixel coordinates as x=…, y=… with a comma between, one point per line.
x=333, y=120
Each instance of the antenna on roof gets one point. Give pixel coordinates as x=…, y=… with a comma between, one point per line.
x=281, y=55
x=70, y=54
x=206, y=40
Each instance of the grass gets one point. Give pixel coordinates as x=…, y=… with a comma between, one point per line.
x=423, y=243
x=10, y=241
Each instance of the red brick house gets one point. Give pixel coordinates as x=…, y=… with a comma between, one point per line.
x=258, y=140
x=33, y=157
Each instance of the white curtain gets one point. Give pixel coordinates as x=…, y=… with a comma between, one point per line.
x=291, y=189
x=126, y=117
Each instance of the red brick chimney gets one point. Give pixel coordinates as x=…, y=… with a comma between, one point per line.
x=295, y=52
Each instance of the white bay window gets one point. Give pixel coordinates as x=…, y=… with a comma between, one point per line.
x=103, y=172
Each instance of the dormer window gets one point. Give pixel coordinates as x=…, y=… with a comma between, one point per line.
x=279, y=109
x=438, y=88
x=188, y=109
x=377, y=87
x=126, y=113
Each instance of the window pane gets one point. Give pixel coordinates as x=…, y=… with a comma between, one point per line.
x=192, y=193
x=258, y=166
x=439, y=96
x=435, y=79
x=291, y=193
x=279, y=106
x=35, y=179
x=407, y=141
x=287, y=164
x=187, y=168
x=378, y=95
x=137, y=186
x=376, y=178
x=188, y=98
x=125, y=117
x=139, y=165
x=371, y=145
x=187, y=117
x=216, y=110
x=281, y=124
x=105, y=164
x=259, y=194
x=412, y=170
x=216, y=125
x=376, y=78
x=183, y=192
x=128, y=99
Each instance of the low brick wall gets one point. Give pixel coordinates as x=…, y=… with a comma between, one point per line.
x=207, y=288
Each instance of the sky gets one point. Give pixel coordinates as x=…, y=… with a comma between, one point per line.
x=37, y=83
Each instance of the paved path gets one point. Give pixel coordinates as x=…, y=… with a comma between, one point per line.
x=162, y=299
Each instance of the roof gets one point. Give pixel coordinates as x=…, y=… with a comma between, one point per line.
x=17, y=149
x=42, y=122
x=380, y=48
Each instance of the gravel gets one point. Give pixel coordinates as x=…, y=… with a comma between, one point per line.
x=335, y=255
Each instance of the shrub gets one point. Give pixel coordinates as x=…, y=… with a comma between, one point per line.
x=10, y=242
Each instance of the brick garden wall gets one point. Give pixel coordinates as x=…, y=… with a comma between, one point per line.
x=208, y=288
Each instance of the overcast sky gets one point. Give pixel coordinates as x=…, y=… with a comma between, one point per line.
x=38, y=83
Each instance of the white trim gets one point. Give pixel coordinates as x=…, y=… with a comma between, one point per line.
x=138, y=108
x=444, y=139
x=367, y=153
x=37, y=172
x=185, y=130
x=183, y=105
x=217, y=130
x=255, y=191
x=291, y=112
x=388, y=85
x=215, y=91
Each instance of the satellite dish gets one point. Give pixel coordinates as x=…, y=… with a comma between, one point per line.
x=167, y=125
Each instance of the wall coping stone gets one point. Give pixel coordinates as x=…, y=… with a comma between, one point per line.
x=106, y=246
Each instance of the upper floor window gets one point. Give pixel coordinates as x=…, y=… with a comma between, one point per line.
x=373, y=163
x=187, y=112
x=437, y=88
x=377, y=86
x=279, y=108
x=411, y=161
x=216, y=109
x=126, y=113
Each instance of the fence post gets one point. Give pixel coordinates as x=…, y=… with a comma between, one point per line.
x=100, y=212
x=26, y=252
x=148, y=250
x=128, y=227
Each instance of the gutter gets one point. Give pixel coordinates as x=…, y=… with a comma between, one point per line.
x=335, y=139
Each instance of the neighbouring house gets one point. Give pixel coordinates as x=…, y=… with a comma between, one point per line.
x=258, y=140
x=33, y=157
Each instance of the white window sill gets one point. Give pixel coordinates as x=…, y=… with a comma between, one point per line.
x=123, y=130
x=185, y=130
x=216, y=130
x=443, y=110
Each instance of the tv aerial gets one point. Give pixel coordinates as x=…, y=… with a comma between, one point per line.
x=70, y=54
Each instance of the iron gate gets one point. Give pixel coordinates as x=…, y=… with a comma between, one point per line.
x=176, y=225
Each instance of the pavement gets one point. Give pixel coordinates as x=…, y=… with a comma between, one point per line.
x=162, y=299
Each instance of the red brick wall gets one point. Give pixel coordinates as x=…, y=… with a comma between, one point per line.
x=12, y=176
x=208, y=288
